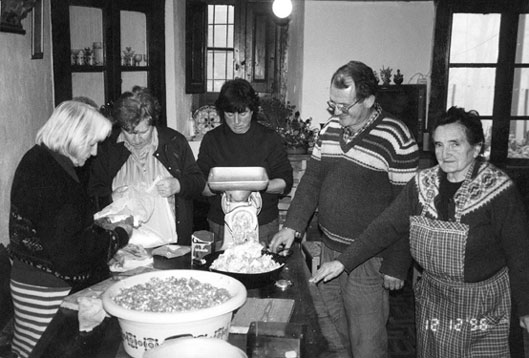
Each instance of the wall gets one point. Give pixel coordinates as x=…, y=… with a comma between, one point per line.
x=178, y=102
x=295, y=53
x=394, y=34
x=26, y=101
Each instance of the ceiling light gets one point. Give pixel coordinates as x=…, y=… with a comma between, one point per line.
x=282, y=8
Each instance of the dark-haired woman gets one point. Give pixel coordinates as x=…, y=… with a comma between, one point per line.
x=242, y=142
x=469, y=232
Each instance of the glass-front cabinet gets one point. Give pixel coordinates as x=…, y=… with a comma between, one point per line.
x=102, y=48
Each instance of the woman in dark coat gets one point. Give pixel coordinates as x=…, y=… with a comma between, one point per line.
x=139, y=151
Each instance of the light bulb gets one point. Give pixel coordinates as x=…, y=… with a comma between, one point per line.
x=282, y=8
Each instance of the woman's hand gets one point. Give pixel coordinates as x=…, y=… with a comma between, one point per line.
x=207, y=191
x=168, y=186
x=127, y=227
x=126, y=224
x=328, y=271
x=276, y=186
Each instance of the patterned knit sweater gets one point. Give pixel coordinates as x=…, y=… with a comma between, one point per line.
x=51, y=227
x=352, y=183
x=498, y=227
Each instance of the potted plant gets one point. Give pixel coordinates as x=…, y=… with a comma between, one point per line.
x=385, y=75
x=296, y=133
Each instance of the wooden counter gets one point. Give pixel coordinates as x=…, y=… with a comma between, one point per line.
x=63, y=339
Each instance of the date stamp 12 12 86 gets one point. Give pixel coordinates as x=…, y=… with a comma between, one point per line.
x=456, y=324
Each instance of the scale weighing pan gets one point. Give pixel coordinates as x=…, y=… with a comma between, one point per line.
x=237, y=178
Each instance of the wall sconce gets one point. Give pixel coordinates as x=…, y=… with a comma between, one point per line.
x=282, y=8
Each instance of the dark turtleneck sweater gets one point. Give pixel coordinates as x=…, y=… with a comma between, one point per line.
x=259, y=147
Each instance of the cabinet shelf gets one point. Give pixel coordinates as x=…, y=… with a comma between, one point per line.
x=135, y=68
x=113, y=26
x=81, y=68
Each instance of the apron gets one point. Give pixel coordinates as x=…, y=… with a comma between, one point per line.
x=454, y=318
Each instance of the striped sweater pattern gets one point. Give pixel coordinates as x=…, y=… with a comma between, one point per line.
x=351, y=183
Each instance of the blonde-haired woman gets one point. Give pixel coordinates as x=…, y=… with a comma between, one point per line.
x=55, y=247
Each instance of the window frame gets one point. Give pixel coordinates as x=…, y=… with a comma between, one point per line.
x=197, y=44
x=214, y=49
x=501, y=112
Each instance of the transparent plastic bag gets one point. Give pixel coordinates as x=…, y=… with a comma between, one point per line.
x=135, y=201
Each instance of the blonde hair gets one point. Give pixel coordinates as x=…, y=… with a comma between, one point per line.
x=72, y=127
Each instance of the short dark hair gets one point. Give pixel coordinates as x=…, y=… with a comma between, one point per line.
x=358, y=72
x=133, y=107
x=235, y=96
x=469, y=120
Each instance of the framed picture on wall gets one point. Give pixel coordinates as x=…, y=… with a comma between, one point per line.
x=11, y=14
x=37, y=31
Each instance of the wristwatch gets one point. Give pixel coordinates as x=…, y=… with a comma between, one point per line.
x=297, y=235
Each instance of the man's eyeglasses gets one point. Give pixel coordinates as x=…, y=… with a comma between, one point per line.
x=343, y=108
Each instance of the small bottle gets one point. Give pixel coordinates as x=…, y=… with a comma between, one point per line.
x=98, y=53
x=79, y=60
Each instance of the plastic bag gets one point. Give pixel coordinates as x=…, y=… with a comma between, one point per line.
x=140, y=201
x=136, y=201
x=146, y=237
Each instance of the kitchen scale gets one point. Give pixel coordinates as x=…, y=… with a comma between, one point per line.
x=241, y=201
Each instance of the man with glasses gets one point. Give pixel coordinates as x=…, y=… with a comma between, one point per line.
x=363, y=158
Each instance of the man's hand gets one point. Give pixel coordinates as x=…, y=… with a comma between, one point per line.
x=393, y=283
x=168, y=186
x=328, y=271
x=524, y=322
x=282, y=240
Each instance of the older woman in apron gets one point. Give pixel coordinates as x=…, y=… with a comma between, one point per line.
x=470, y=234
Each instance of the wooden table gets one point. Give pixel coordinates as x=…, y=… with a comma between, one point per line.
x=63, y=339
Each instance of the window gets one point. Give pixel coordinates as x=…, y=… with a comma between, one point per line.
x=472, y=65
x=220, y=48
x=481, y=62
x=519, y=125
x=233, y=38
